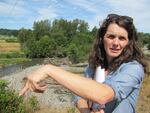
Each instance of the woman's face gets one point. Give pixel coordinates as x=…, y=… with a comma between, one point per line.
x=115, y=40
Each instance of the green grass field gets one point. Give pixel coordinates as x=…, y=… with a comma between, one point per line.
x=9, y=46
x=10, y=51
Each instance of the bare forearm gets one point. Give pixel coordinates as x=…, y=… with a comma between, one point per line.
x=81, y=86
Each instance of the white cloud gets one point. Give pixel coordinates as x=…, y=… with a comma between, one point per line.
x=4, y=8
x=93, y=7
x=12, y=9
x=46, y=13
x=139, y=10
x=92, y=11
x=85, y=4
x=131, y=7
x=96, y=21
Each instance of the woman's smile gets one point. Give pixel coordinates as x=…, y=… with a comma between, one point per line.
x=114, y=50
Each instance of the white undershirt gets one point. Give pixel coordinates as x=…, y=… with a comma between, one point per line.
x=100, y=74
x=99, y=77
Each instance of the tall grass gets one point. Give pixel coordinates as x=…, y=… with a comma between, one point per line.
x=144, y=99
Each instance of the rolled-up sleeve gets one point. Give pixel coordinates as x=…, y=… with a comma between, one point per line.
x=125, y=80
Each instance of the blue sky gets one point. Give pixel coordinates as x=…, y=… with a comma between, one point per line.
x=15, y=14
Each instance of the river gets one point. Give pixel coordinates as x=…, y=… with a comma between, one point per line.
x=4, y=71
x=77, y=68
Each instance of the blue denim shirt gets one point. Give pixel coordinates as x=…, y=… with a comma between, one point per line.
x=126, y=82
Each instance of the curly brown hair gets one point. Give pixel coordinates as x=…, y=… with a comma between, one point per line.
x=131, y=51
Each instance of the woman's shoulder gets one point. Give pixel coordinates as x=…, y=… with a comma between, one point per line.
x=133, y=67
x=129, y=70
x=133, y=64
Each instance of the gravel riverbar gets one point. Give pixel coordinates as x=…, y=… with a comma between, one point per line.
x=54, y=96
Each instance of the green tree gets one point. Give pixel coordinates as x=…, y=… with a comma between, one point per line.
x=94, y=31
x=9, y=32
x=24, y=35
x=62, y=38
x=83, y=26
x=144, y=38
x=46, y=47
x=83, y=42
x=61, y=43
x=31, y=50
x=41, y=28
x=73, y=53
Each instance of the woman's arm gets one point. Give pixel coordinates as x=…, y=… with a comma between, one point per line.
x=84, y=87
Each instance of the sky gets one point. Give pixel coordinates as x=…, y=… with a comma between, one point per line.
x=17, y=14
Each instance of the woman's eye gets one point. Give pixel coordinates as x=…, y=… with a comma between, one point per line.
x=111, y=36
x=122, y=38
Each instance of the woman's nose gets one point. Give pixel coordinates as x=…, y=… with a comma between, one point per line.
x=116, y=41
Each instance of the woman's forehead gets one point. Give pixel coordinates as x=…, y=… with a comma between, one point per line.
x=116, y=29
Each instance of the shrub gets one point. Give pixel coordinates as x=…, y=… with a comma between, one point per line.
x=11, y=40
x=10, y=102
x=32, y=104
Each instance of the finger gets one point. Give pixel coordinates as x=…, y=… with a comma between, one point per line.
x=42, y=88
x=42, y=84
x=31, y=84
x=31, y=87
x=34, y=86
x=24, y=90
x=39, y=88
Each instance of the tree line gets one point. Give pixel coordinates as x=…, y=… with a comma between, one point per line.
x=9, y=32
x=61, y=38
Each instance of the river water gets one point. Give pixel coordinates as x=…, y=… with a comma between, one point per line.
x=20, y=66
x=4, y=71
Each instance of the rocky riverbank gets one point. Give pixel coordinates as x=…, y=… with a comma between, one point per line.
x=54, y=96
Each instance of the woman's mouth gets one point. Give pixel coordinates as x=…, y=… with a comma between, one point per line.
x=114, y=50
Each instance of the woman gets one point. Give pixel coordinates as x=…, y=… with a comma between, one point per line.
x=116, y=51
